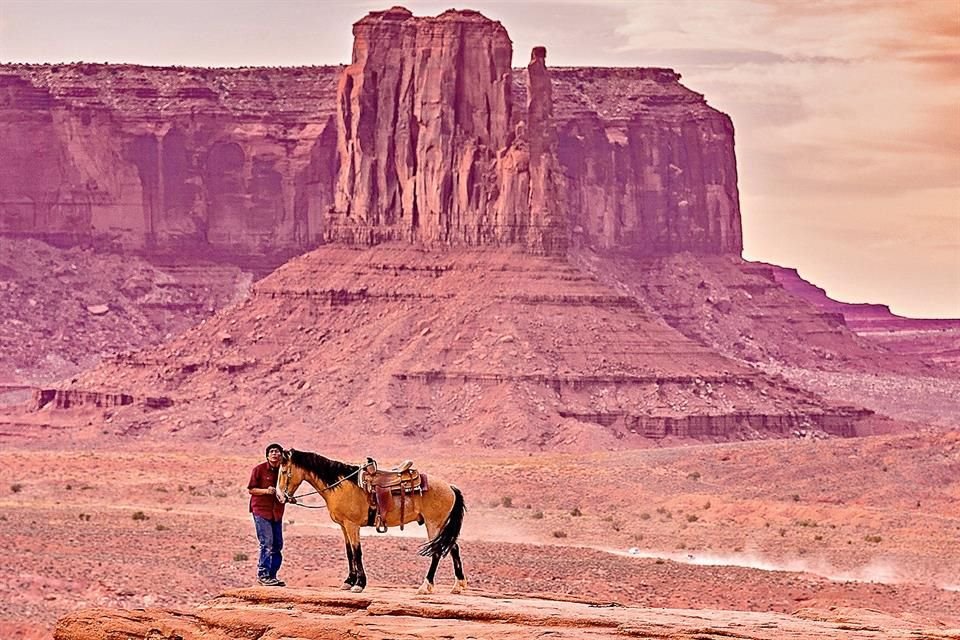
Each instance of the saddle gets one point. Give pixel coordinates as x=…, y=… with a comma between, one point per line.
x=382, y=484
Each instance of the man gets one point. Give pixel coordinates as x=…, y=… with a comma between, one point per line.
x=267, y=516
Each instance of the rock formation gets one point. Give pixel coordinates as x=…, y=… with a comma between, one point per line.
x=195, y=164
x=319, y=615
x=482, y=347
x=429, y=145
x=428, y=135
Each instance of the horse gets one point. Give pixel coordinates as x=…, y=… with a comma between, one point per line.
x=441, y=508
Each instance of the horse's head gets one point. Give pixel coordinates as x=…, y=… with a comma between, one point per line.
x=290, y=477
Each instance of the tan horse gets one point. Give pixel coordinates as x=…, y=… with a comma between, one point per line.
x=440, y=508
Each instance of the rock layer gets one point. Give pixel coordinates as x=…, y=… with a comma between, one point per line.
x=488, y=347
x=382, y=613
x=428, y=135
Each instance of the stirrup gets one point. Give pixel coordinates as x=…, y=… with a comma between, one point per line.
x=380, y=527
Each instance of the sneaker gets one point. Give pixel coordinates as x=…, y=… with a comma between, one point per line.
x=269, y=582
x=279, y=582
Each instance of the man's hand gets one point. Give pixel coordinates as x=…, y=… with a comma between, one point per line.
x=270, y=491
x=291, y=500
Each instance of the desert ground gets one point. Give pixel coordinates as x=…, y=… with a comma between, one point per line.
x=779, y=525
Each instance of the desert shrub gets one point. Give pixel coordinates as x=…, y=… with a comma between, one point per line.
x=575, y=512
x=806, y=523
x=695, y=475
x=16, y=487
x=537, y=515
x=644, y=516
x=139, y=515
x=796, y=497
x=506, y=501
x=706, y=505
x=873, y=539
x=240, y=556
x=783, y=532
x=664, y=512
x=818, y=537
x=692, y=517
x=559, y=534
x=161, y=527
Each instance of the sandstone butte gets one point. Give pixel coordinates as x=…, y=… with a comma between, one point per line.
x=428, y=141
x=428, y=135
x=467, y=240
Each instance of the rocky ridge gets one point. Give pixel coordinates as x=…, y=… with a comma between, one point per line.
x=387, y=613
x=527, y=353
x=743, y=310
x=934, y=341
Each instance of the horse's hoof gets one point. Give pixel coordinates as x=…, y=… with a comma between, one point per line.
x=346, y=586
x=425, y=588
x=356, y=588
x=459, y=586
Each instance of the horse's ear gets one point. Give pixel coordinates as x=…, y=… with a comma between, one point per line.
x=286, y=455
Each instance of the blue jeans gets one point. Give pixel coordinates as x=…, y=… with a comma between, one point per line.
x=270, y=535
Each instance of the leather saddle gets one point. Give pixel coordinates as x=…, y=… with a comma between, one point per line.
x=382, y=485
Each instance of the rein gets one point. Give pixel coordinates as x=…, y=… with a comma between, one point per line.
x=327, y=488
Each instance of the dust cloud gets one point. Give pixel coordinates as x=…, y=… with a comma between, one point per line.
x=877, y=571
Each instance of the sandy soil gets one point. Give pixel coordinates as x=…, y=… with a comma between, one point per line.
x=749, y=526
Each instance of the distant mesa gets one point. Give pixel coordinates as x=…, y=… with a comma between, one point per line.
x=428, y=136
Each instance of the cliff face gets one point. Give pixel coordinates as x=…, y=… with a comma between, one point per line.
x=427, y=145
x=428, y=136
x=658, y=180
x=173, y=161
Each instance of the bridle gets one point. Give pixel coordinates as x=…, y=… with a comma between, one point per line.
x=294, y=500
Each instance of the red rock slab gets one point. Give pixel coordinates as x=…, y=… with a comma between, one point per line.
x=380, y=613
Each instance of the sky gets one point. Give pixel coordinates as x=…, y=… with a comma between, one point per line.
x=847, y=112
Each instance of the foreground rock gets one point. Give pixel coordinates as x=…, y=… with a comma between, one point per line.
x=396, y=613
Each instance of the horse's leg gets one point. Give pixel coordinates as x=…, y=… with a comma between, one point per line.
x=461, y=582
x=427, y=586
x=353, y=533
x=351, y=564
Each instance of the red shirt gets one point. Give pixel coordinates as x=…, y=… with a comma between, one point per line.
x=267, y=506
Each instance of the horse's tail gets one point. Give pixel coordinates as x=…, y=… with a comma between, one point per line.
x=450, y=531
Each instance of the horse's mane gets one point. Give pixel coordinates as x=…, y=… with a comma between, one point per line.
x=330, y=471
